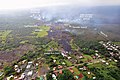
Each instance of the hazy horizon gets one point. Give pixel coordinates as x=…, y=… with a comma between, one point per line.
x=22, y=4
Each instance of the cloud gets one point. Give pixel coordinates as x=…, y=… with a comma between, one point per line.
x=15, y=4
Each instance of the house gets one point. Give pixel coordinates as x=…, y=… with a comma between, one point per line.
x=69, y=57
x=80, y=68
x=94, y=77
x=36, y=64
x=115, y=60
x=1, y=67
x=60, y=71
x=110, y=59
x=96, y=51
x=30, y=62
x=80, y=57
x=77, y=77
x=96, y=54
x=94, y=57
x=10, y=77
x=28, y=66
x=15, y=77
x=38, y=30
x=30, y=73
x=84, y=68
x=22, y=76
x=54, y=68
x=56, y=73
x=23, y=62
x=64, y=55
x=80, y=75
x=103, y=61
x=107, y=63
x=16, y=66
x=60, y=67
x=63, y=63
x=1, y=73
x=0, y=64
x=54, y=61
x=34, y=76
x=18, y=70
x=71, y=70
x=54, y=76
x=89, y=73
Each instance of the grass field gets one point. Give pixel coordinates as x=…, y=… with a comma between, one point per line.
x=52, y=45
x=73, y=45
x=42, y=31
x=87, y=57
x=116, y=43
x=76, y=71
x=68, y=63
x=4, y=34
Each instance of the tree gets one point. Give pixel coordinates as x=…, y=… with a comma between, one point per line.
x=49, y=76
x=8, y=70
x=67, y=75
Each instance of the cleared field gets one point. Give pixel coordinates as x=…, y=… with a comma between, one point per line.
x=52, y=45
x=4, y=34
x=116, y=43
x=87, y=57
x=68, y=63
x=76, y=71
x=41, y=31
x=73, y=45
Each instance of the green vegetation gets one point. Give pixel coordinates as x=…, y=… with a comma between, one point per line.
x=105, y=72
x=53, y=45
x=68, y=63
x=86, y=58
x=76, y=71
x=49, y=76
x=8, y=70
x=3, y=35
x=45, y=54
x=116, y=43
x=41, y=31
x=89, y=47
x=73, y=45
x=23, y=42
x=67, y=75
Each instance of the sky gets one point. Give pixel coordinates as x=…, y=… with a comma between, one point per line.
x=19, y=4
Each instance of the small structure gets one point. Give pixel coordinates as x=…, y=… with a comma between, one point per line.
x=1, y=73
x=60, y=67
x=94, y=77
x=107, y=63
x=10, y=77
x=54, y=77
x=28, y=66
x=80, y=75
x=22, y=76
x=88, y=72
x=30, y=73
x=60, y=71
